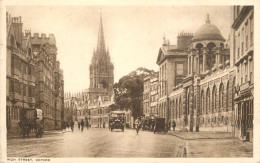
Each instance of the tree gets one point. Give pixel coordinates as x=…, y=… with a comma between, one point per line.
x=129, y=91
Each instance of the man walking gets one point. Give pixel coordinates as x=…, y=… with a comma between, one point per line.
x=72, y=125
x=82, y=125
x=173, y=125
x=78, y=125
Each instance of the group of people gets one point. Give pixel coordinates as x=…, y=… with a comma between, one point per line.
x=71, y=125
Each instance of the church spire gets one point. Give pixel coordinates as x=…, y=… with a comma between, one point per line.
x=207, y=21
x=101, y=40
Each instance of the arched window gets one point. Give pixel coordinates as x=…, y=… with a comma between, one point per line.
x=227, y=99
x=214, y=100
x=221, y=96
x=208, y=101
x=211, y=56
x=200, y=60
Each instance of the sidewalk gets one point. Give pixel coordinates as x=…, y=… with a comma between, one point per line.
x=32, y=134
x=201, y=135
x=213, y=144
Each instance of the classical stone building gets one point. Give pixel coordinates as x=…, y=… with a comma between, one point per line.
x=172, y=61
x=100, y=91
x=242, y=37
x=20, y=73
x=202, y=98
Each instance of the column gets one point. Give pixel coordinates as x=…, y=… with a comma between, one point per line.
x=192, y=64
x=204, y=60
x=184, y=109
x=191, y=108
x=188, y=65
x=195, y=61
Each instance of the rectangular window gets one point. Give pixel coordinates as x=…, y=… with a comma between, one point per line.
x=11, y=86
x=242, y=41
x=24, y=91
x=29, y=70
x=246, y=71
x=12, y=40
x=29, y=92
x=238, y=46
x=179, y=69
x=246, y=34
x=252, y=30
x=12, y=62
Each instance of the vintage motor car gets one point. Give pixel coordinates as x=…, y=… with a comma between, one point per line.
x=159, y=125
x=32, y=119
x=117, y=119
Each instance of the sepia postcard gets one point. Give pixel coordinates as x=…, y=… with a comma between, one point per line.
x=142, y=82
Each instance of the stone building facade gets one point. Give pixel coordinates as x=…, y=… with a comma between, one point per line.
x=20, y=73
x=150, y=94
x=49, y=79
x=243, y=51
x=34, y=77
x=202, y=98
x=172, y=61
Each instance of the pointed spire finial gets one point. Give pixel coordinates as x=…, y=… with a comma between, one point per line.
x=101, y=40
x=207, y=21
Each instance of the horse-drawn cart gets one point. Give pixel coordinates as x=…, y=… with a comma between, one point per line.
x=32, y=120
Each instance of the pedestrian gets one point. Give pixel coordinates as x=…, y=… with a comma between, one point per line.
x=82, y=125
x=79, y=125
x=87, y=124
x=173, y=125
x=104, y=124
x=138, y=124
x=169, y=125
x=63, y=126
x=72, y=125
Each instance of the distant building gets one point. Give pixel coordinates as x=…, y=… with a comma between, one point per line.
x=20, y=73
x=150, y=94
x=100, y=92
x=242, y=37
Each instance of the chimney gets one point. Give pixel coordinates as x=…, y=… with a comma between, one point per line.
x=17, y=26
x=183, y=40
x=43, y=35
x=36, y=35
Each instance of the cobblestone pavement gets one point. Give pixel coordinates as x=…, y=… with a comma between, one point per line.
x=96, y=143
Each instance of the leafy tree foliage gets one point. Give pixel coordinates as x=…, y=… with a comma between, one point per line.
x=129, y=90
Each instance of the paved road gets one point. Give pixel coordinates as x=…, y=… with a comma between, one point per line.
x=96, y=143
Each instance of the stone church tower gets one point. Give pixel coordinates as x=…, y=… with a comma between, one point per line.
x=101, y=68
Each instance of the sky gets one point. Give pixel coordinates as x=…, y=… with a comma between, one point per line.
x=133, y=34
